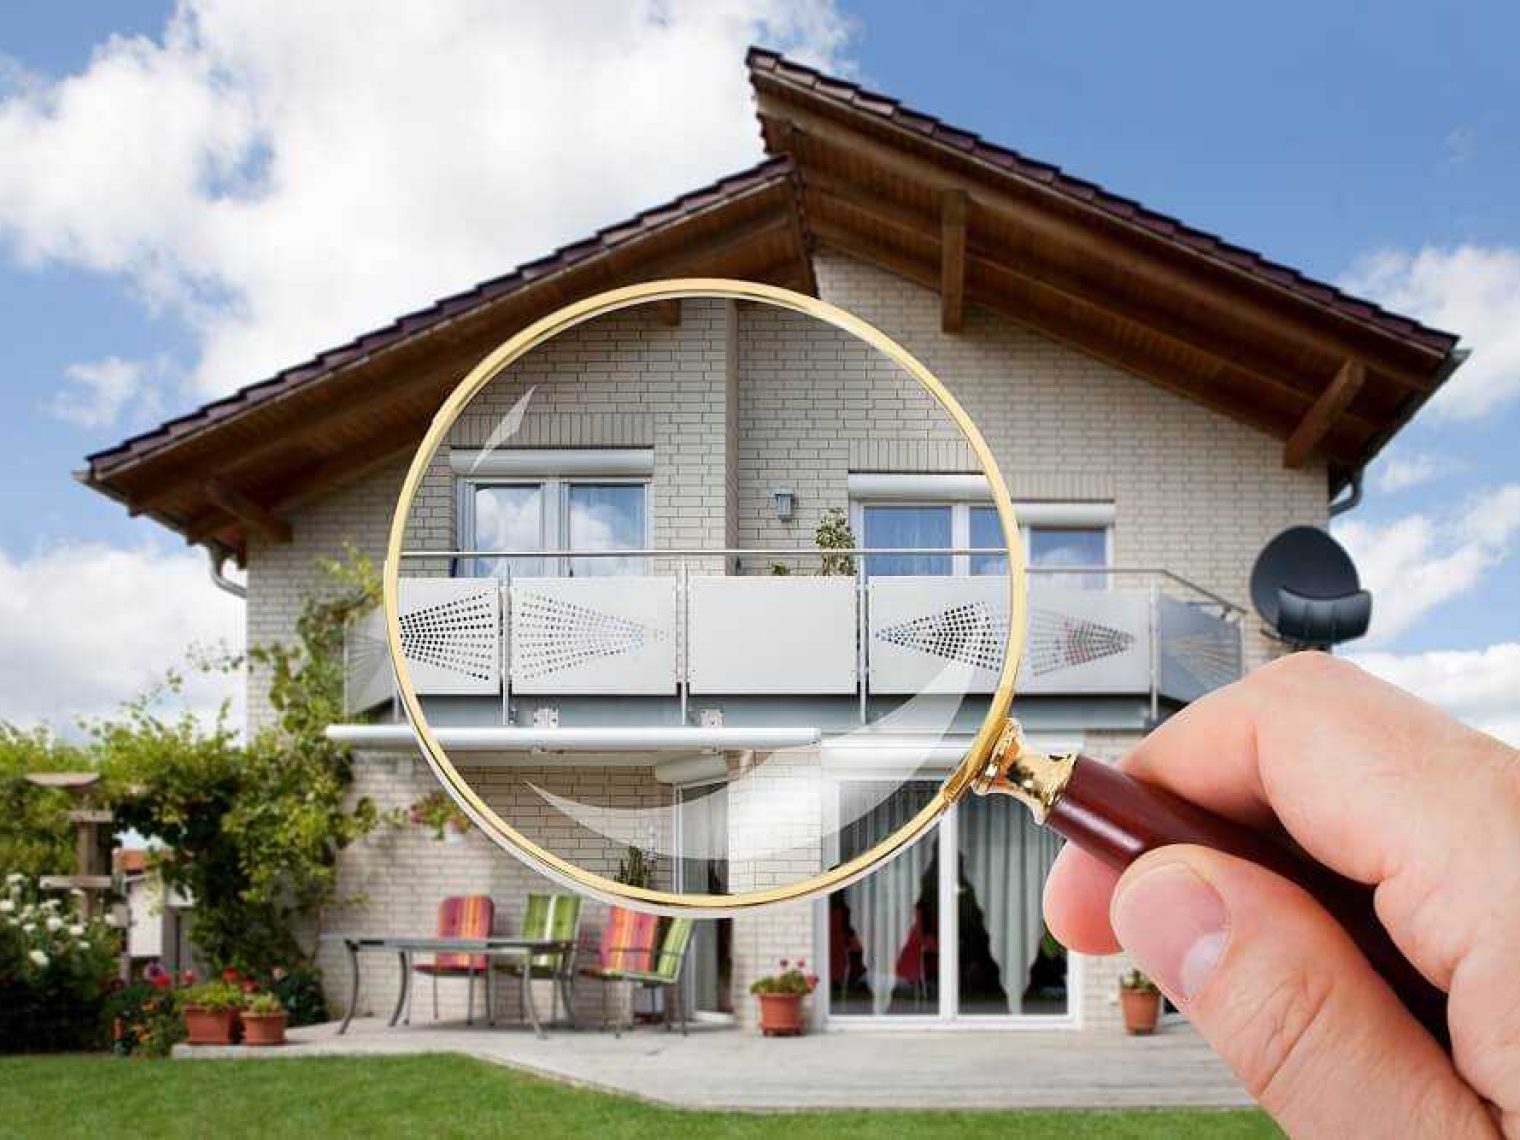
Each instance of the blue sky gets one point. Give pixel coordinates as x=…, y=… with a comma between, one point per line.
x=214, y=193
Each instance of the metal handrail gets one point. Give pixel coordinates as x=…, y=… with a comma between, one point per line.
x=845, y=552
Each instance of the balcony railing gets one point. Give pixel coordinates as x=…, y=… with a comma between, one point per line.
x=685, y=630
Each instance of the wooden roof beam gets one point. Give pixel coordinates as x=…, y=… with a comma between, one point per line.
x=1207, y=392
x=670, y=312
x=1322, y=416
x=245, y=510
x=952, y=264
x=1181, y=335
x=1051, y=225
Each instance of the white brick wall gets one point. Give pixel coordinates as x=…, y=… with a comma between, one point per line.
x=1194, y=493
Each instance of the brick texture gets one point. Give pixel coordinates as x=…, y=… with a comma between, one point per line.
x=737, y=401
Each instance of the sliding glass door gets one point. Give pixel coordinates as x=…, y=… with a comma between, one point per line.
x=952, y=928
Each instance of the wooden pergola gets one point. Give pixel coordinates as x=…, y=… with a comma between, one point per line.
x=1331, y=376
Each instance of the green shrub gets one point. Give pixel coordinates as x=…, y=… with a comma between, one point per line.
x=300, y=992
x=56, y=970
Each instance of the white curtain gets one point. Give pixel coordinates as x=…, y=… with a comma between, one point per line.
x=882, y=905
x=1006, y=858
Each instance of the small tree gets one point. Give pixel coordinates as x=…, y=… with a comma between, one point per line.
x=834, y=533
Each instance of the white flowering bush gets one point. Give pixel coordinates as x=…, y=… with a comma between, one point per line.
x=56, y=969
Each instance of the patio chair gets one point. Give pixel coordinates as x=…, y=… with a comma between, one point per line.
x=664, y=974
x=627, y=944
x=460, y=916
x=557, y=917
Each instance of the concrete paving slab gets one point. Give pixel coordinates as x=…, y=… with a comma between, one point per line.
x=732, y=1069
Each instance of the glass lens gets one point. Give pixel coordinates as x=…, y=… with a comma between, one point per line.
x=706, y=597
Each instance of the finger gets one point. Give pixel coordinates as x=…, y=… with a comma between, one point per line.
x=1369, y=781
x=1077, y=893
x=1284, y=996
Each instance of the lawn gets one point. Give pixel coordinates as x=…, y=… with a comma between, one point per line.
x=456, y=1096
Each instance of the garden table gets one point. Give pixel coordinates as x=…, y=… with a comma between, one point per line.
x=496, y=946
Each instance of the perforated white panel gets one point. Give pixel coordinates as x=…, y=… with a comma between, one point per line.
x=771, y=635
x=450, y=632
x=593, y=635
x=937, y=634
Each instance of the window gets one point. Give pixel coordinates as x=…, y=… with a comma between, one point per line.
x=936, y=513
x=926, y=527
x=566, y=504
x=1051, y=547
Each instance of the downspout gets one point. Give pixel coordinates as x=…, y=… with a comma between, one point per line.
x=218, y=558
x=1351, y=501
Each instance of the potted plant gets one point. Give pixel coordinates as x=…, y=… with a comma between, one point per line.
x=834, y=534
x=781, y=997
x=439, y=814
x=211, y=1012
x=1141, y=1001
x=264, y=1020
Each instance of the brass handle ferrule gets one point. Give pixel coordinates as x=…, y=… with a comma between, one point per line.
x=1032, y=778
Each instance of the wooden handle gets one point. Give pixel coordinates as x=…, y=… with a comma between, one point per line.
x=1116, y=818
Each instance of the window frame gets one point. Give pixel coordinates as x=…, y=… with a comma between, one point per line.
x=554, y=514
x=955, y=492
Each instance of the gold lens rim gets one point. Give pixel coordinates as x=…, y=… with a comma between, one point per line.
x=561, y=870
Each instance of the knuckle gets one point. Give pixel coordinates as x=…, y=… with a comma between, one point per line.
x=1310, y=667
x=1279, y=1032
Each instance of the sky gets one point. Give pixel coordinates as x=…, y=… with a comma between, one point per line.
x=194, y=195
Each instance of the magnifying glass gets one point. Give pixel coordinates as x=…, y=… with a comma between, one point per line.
x=704, y=595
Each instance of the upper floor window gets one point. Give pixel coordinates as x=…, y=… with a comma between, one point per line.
x=554, y=501
x=941, y=513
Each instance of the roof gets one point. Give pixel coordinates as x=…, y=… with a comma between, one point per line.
x=1331, y=375
x=744, y=225
x=764, y=63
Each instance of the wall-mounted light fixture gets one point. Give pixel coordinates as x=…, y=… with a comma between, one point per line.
x=786, y=503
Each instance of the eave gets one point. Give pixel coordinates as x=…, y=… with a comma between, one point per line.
x=237, y=467
x=1332, y=375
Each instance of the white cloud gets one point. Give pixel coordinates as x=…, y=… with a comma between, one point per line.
x=283, y=175
x=102, y=390
x=1471, y=290
x=1480, y=686
x=1397, y=472
x=1415, y=563
x=86, y=626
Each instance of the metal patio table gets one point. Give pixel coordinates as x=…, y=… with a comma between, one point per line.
x=497, y=946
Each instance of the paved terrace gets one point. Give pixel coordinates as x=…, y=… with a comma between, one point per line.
x=728, y=1068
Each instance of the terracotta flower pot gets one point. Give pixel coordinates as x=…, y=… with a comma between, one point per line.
x=781, y=1015
x=264, y=1028
x=1142, y=1008
x=210, y=1026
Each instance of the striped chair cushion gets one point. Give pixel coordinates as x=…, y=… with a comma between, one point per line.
x=463, y=916
x=627, y=941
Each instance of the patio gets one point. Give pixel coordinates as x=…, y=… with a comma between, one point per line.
x=723, y=1068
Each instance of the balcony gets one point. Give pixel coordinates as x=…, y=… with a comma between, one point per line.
x=683, y=655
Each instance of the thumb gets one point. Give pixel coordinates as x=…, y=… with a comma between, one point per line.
x=1284, y=996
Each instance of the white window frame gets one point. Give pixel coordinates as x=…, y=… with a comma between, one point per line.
x=963, y=492
x=554, y=471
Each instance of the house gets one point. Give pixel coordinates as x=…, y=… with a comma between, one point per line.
x=156, y=915
x=1162, y=402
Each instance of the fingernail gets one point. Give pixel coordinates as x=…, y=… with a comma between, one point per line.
x=1175, y=925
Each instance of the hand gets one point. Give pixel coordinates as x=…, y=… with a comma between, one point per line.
x=1384, y=789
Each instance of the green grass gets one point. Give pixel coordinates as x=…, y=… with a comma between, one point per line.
x=456, y=1096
